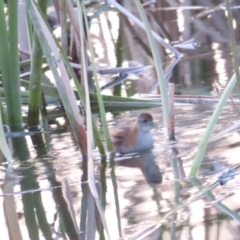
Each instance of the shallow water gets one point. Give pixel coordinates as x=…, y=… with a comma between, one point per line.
x=134, y=181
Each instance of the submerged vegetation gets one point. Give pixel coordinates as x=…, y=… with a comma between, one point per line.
x=49, y=61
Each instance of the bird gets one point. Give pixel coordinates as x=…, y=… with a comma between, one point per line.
x=135, y=138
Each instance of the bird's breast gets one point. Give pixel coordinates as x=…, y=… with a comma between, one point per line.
x=145, y=140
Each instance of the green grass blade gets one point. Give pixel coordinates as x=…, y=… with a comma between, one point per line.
x=99, y=96
x=204, y=141
x=3, y=144
x=91, y=177
x=158, y=64
x=35, y=76
x=80, y=94
x=59, y=71
x=16, y=112
x=10, y=64
x=210, y=196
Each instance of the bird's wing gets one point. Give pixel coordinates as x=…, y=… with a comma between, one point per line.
x=120, y=134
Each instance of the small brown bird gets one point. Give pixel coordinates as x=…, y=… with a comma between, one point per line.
x=135, y=138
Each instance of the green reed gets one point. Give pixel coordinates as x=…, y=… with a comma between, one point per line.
x=99, y=96
x=34, y=101
x=210, y=127
x=158, y=64
x=9, y=61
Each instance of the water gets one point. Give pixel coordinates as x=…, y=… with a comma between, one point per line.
x=50, y=180
x=55, y=176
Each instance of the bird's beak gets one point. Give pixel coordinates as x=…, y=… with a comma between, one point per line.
x=153, y=125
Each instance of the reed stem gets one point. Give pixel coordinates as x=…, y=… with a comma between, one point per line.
x=9, y=61
x=35, y=76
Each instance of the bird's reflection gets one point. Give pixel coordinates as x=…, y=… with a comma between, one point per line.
x=145, y=160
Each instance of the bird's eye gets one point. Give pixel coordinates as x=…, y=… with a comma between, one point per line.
x=144, y=120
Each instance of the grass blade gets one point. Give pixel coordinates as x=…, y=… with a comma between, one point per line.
x=9, y=62
x=3, y=144
x=158, y=64
x=99, y=96
x=91, y=177
x=35, y=76
x=62, y=80
x=205, y=139
x=143, y=26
